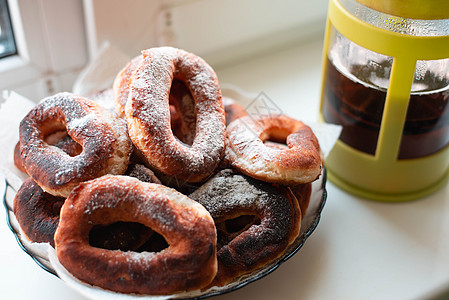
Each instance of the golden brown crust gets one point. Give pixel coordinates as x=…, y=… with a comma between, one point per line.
x=188, y=263
x=102, y=135
x=148, y=114
x=245, y=150
x=242, y=248
x=37, y=212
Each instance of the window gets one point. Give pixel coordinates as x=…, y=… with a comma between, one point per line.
x=7, y=43
x=50, y=46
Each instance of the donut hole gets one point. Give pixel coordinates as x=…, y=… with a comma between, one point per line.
x=182, y=112
x=241, y=223
x=156, y=243
x=228, y=229
x=56, y=135
x=126, y=236
x=53, y=131
x=275, y=138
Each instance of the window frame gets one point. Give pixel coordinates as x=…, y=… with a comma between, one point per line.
x=6, y=25
x=37, y=69
x=19, y=69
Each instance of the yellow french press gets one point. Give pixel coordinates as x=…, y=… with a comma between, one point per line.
x=386, y=82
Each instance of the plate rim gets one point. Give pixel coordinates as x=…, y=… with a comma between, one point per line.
x=246, y=281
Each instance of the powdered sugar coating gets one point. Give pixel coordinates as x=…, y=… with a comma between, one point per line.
x=228, y=192
x=148, y=115
x=245, y=149
x=228, y=195
x=188, y=263
x=102, y=135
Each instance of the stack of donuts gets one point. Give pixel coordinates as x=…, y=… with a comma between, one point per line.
x=173, y=189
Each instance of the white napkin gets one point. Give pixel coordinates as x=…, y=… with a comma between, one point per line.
x=12, y=111
x=99, y=74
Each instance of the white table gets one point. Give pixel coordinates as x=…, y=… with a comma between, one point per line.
x=360, y=250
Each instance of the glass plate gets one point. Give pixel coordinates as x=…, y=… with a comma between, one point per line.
x=39, y=253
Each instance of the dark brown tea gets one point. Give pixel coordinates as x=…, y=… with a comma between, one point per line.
x=358, y=106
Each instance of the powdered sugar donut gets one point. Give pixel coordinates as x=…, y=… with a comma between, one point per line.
x=245, y=150
x=182, y=107
x=255, y=222
x=188, y=263
x=101, y=134
x=148, y=114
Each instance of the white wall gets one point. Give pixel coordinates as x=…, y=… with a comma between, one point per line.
x=218, y=30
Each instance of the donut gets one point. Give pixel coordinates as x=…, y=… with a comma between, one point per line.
x=106, y=147
x=233, y=110
x=255, y=222
x=37, y=212
x=182, y=109
x=245, y=149
x=188, y=263
x=148, y=114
